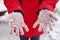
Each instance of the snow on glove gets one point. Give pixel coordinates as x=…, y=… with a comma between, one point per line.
x=44, y=20
x=16, y=21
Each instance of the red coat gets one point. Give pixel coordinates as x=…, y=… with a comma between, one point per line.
x=30, y=9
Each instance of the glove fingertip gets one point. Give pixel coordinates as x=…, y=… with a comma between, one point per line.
x=27, y=30
x=22, y=33
x=34, y=26
x=39, y=30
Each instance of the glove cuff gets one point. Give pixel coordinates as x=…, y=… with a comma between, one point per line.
x=42, y=9
x=19, y=11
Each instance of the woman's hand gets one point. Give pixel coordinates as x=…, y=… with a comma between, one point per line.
x=44, y=20
x=16, y=21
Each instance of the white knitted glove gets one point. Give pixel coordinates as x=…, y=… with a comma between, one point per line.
x=44, y=20
x=16, y=21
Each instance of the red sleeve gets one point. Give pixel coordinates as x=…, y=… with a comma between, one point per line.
x=12, y=5
x=48, y=4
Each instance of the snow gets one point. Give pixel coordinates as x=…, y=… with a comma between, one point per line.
x=58, y=5
x=5, y=32
x=2, y=6
x=5, y=29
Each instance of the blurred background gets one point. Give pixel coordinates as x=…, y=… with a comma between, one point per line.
x=5, y=29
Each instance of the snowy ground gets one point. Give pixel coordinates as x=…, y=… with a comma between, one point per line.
x=5, y=33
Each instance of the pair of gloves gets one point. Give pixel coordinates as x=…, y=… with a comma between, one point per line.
x=16, y=21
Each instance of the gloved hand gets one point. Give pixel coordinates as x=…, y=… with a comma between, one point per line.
x=16, y=21
x=44, y=20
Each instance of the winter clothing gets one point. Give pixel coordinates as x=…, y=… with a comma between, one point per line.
x=30, y=10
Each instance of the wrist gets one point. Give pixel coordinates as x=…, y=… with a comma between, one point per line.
x=41, y=10
x=18, y=11
x=15, y=14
